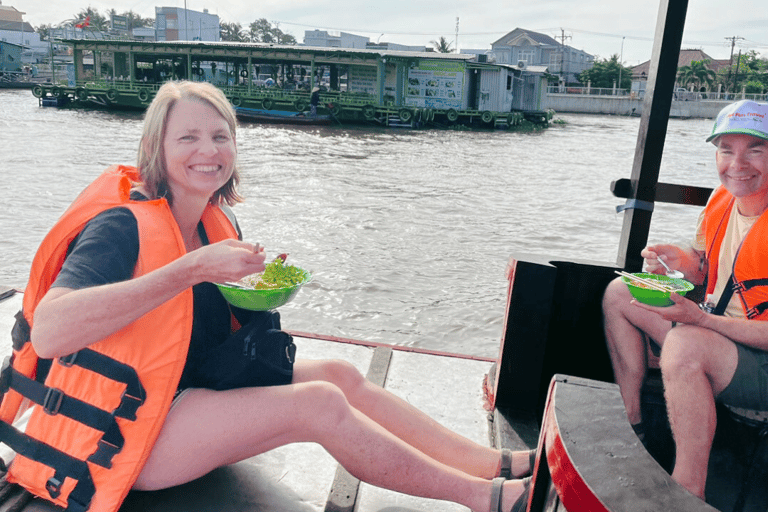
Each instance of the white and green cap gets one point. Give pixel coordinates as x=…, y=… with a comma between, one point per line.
x=744, y=117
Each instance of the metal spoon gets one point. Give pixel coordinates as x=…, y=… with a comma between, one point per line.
x=675, y=274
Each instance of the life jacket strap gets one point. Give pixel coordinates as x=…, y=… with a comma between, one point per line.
x=54, y=401
x=757, y=310
x=134, y=394
x=64, y=465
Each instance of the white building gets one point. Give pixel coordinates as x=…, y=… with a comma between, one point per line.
x=13, y=29
x=177, y=24
x=325, y=39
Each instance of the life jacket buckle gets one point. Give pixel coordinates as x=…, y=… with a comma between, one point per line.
x=68, y=360
x=5, y=377
x=290, y=352
x=53, y=486
x=52, y=401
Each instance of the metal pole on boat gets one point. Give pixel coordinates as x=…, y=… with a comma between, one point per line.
x=652, y=132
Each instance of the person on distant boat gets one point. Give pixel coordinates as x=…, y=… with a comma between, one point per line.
x=314, y=100
x=706, y=356
x=121, y=301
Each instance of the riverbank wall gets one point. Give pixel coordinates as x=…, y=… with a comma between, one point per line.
x=628, y=106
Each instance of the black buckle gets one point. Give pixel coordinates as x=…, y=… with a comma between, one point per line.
x=52, y=401
x=5, y=376
x=53, y=486
x=68, y=360
x=128, y=406
x=290, y=352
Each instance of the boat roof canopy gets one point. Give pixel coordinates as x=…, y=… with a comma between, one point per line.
x=269, y=50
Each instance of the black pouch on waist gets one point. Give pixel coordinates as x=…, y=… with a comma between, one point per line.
x=258, y=354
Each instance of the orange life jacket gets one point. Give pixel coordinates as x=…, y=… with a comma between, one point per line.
x=98, y=413
x=750, y=266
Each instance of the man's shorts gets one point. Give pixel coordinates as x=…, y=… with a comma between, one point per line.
x=749, y=387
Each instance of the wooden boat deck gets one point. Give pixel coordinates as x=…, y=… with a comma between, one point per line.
x=303, y=477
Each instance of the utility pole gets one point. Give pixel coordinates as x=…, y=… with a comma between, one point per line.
x=456, y=41
x=730, y=62
x=621, y=59
x=563, y=71
x=186, y=22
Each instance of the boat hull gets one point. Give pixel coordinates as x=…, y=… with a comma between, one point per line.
x=281, y=117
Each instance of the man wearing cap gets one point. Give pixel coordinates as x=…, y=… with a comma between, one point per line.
x=706, y=357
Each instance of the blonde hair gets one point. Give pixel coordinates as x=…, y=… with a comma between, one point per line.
x=151, y=158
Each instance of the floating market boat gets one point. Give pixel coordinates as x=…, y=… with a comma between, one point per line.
x=280, y=116
x=357, y=85
x=549, y=388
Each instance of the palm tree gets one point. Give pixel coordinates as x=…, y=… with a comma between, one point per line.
x=697, y=73
x=232, y=32
x=442, y=45
x=91, y=19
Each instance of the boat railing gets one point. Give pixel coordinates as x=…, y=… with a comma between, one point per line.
x=242, y=91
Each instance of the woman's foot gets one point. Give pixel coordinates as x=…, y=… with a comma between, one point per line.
x=516, y=464
x=510, y=495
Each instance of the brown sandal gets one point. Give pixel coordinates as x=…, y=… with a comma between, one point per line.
x=497, y=489
x=506, y=464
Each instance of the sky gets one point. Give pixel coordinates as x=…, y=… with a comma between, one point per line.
x=600, y=27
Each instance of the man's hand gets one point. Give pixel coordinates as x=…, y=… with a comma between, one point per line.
x=683, y=311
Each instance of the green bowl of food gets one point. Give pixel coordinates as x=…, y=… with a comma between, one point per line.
x=274, y=287
x=645, y=293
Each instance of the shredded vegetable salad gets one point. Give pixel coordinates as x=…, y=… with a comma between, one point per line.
x=276, y=275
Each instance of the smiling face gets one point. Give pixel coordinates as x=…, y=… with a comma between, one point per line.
x=742, y=164
x=199, y=150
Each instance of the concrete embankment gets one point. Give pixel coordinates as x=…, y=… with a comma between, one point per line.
x=626, y=106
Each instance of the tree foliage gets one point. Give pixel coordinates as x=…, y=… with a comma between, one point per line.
x=44, y=30
x=232, y=32
x=262, y=31
x=133, y=20
x=697, y=73
x=441, y=45
x=605, y=72
x=748, y=70
x=91, y=19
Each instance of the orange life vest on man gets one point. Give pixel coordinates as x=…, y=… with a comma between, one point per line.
x=750, y=266
x=101, y=409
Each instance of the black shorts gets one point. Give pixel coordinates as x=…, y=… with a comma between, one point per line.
x=749, y=387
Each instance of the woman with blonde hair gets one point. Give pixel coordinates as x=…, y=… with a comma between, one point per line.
x=128, y=283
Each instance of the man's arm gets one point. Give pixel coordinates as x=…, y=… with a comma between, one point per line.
x=752, y=333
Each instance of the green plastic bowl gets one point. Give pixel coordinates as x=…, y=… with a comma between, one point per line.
x=655, y=297
x=262, y=299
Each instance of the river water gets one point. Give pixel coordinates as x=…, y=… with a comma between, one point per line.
x=407, y=232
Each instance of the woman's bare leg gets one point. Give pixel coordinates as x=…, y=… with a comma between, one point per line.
x=407, y=422
x=208, y=429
